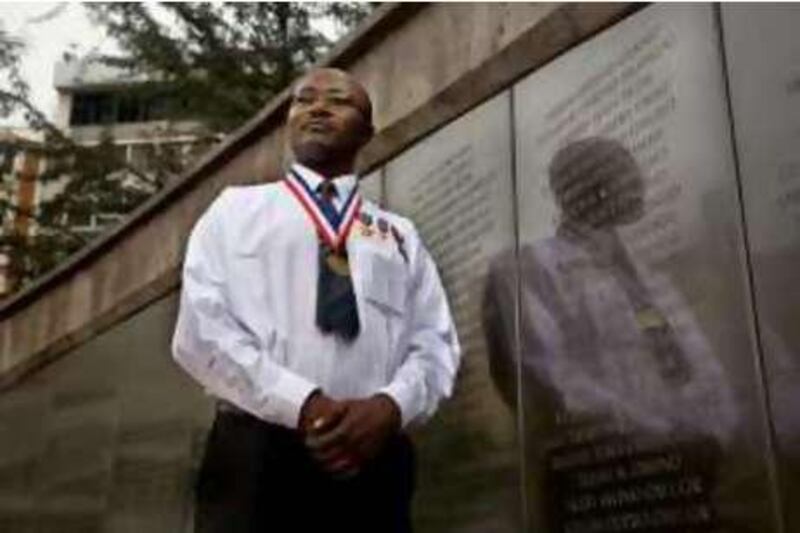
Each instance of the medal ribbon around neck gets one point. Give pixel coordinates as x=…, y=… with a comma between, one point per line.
x=335, y=229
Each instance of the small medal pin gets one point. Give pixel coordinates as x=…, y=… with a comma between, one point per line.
x=383, y=227
x=650, y=318
x=366, y=224
x=401, y=247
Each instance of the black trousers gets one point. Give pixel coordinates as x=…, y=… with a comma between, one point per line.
x=258, y=477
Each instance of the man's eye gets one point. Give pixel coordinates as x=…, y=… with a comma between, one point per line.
x=339, y=100
x=303, y=99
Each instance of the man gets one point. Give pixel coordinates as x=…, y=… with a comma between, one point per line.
x=320, y=323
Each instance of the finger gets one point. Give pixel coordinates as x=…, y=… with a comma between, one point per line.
x=342, y=467
x=321, y=424
x=329, y=455
x=322, y=442
x=368, y=444
x=328, y=421
x=338, y=460
x=339, y=464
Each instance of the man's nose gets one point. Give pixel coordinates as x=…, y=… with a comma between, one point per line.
x=319, y=107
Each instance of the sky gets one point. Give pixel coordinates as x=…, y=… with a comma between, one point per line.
x=48, y=29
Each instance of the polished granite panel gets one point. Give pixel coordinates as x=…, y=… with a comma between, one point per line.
x=106, y=439
x=762, y=49
x=642, y=405
x=456, y=186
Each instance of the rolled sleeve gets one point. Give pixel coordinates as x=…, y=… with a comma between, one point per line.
x=433, y=354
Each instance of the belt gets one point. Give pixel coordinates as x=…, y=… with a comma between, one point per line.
x=228, y=409
x=224, y=406
x=400, y=443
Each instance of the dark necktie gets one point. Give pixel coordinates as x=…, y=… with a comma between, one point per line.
x=337, y=311
x=654, y=325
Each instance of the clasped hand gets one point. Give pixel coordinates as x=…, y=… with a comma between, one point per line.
x=344, y=435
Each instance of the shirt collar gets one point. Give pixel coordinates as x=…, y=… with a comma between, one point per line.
x=344, y=183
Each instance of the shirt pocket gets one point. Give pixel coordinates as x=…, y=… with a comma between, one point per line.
x=384, y=284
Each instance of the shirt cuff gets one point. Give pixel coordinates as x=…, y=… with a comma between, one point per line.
x=290, y=393
x=403, y=396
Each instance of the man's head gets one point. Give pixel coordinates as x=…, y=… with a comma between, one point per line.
x=596, y=182
x=330, y=119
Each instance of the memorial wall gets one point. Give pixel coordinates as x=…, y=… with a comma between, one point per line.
x=456, y=185
x=618, y=236
x=763, y=55
x=107, y=439
x=642, y=407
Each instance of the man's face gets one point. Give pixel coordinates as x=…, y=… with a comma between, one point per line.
x=328, y=117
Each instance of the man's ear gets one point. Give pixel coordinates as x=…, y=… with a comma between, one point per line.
x=367, y=132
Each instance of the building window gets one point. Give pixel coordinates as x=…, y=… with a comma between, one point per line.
x=7, y=154
x=92, y=108
x=110, y=107
x=130, y=109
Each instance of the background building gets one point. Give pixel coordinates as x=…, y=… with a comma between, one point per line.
x=141, y=122
x=146, y=124
x=21, y=163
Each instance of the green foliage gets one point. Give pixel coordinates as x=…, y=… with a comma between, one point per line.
x=10, y=54
x=224, y=61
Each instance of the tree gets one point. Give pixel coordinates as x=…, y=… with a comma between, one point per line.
x=217, y=63
x=82, y=180
x=10, y=56
x=223, y=61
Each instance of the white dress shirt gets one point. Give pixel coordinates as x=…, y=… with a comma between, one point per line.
x=246, y=328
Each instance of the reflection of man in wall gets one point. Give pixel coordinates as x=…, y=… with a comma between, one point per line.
x=319, y=322
x=606, y=343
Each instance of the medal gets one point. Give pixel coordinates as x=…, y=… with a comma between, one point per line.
x=383, y=227
x=366, y=223
x=334, y=228
x=650, y=318
x=338, y=263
